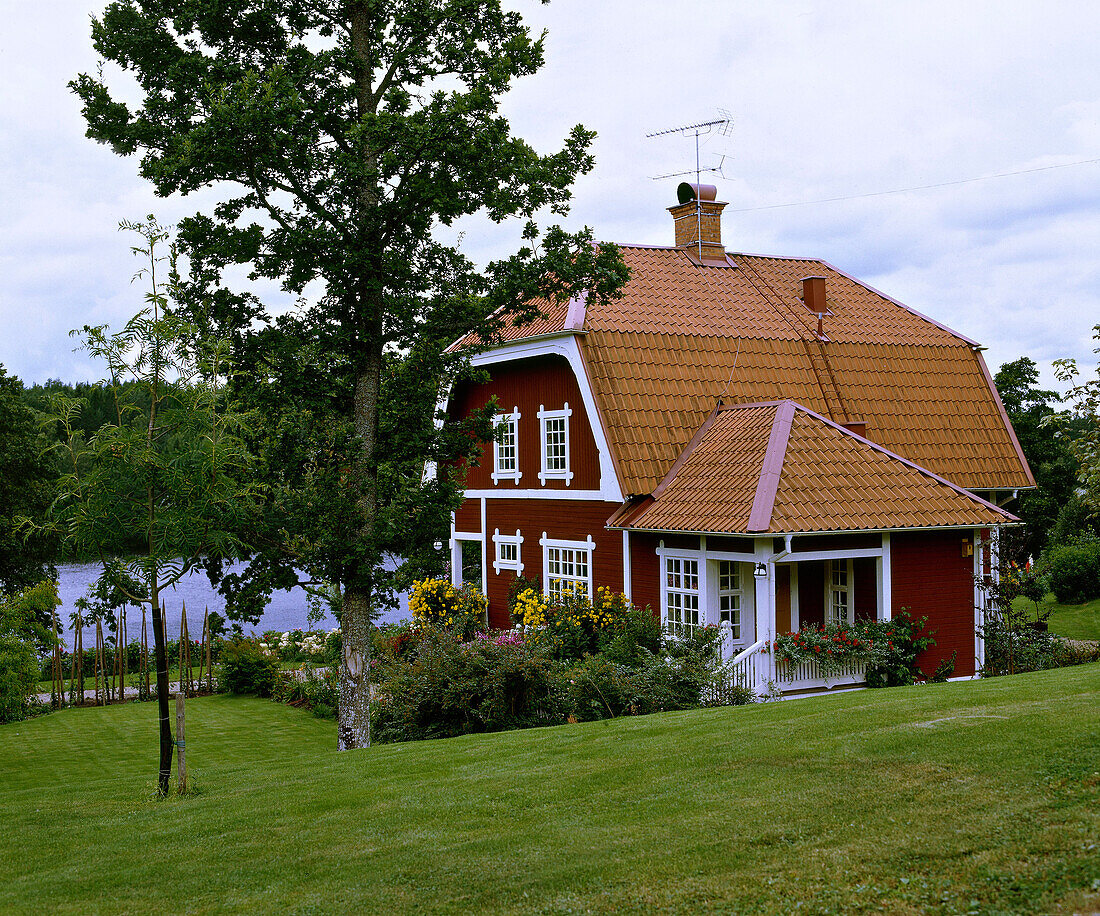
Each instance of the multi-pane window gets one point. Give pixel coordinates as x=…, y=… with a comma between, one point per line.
x=555, y=444
x=554, y=431
x=507, y=552
x=839, y=585
x=681, y=596
x=506, y=448
x=729, y=595
x=567, y=571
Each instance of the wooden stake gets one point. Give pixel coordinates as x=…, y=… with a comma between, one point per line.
x=144, y=689
x=180, y=746
x=99, y=699
x=57, y=688
x=78, y=651
x=120, y=648
x=185, y=654
x=202, y=649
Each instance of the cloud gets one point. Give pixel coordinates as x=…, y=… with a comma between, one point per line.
x=828, y=100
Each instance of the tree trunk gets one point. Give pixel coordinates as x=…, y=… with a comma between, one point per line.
x=365, y=302
x=161, y=656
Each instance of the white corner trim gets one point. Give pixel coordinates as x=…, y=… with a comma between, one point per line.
x=565, y=345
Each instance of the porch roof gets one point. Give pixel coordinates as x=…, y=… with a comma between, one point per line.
x=779, y=468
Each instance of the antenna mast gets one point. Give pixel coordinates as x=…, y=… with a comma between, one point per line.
x=723, y=126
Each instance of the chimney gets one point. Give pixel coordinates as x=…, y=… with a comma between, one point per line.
x=813, y=297
x=698, y=219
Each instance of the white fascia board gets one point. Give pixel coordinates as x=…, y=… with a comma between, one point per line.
x=562, y=345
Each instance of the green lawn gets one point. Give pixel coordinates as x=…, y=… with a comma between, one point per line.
x=955, y=798
x=1077, y=621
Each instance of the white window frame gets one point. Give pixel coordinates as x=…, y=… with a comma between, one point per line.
x=509, y=540
x=546, y=472
x=681, y=594
x=510, y=421
x=848, y=590
x=586, y=546
x=737, y=623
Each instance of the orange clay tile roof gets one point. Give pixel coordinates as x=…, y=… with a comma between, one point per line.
x=682, y=336
x=780, y=469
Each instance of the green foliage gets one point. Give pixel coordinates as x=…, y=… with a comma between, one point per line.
x=888, y=647
x=599, y=688
x=945, y=668
x=317, y=691
x=445, y=687
x=1051, y=462
x=1072, y=571
x=340, y=137
x=20, y=634
x=1079, y=426
x=246, y=667
x=570, y=626
x=438, y=603
x=26, y=490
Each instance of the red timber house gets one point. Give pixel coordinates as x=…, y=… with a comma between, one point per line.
x=752, y=442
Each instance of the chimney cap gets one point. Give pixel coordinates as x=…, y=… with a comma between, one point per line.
x=689, y=191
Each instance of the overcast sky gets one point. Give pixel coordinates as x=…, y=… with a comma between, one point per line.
x=828, y=99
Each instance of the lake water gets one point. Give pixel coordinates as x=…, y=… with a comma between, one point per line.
x=287, y=610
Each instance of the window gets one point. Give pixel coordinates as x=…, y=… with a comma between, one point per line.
x=681, y=596
x=507, y=552
x=838, y=591
x=729, y=596
x=567, y=567
x=506, y=448
x=555, y=444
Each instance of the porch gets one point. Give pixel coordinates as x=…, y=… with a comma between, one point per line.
x=754, y=589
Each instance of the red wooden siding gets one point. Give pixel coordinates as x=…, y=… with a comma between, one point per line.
x=865, y=576
x=561, y=519
x=645, y=571
x=529, y=384
x=933, y=579
x=811, y=593
x=468, y=516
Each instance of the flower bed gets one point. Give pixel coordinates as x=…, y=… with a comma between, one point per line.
x=888, y=649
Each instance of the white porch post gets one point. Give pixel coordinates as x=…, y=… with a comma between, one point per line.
x=765, y=600
x=484, y=550
x=979, y=601
x=885, y=581
x=456, y=556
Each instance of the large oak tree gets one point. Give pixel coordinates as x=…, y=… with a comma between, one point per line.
x=343, y=132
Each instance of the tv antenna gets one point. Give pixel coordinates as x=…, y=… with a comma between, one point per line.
x=722, y=126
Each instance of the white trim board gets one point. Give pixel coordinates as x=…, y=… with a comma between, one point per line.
x=565, y=346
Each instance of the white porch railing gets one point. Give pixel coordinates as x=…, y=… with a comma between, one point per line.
x=756, y=668
x=809, y=675
x=750, y=667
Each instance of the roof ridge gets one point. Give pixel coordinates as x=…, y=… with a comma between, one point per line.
x=771, y=468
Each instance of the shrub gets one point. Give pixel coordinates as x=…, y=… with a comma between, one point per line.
x=598, y=688
x=1073, y=571
x=317, y=691
x=445, y=687
x=571, y=626
x=438, y=603
x=894, y=650
x=247, y=668
x=20, y=631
